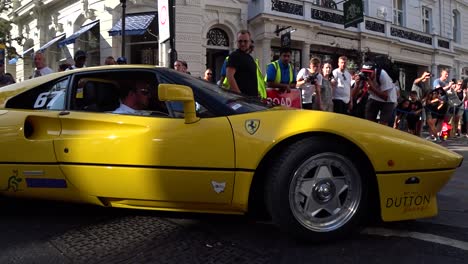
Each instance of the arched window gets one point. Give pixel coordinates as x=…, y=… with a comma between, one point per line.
x=217, y=37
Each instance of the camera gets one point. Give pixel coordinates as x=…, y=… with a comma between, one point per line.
x=364, y=74
x=312, y=78
x=431, y=74
x=368, y=68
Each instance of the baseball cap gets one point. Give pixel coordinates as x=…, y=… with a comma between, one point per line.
x=121, y=60
x=80, y=53
x=368, y=65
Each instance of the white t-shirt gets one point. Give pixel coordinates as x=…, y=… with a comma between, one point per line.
x=342, y=90
x=393, y=94
x=42, y=72
x=386, y=84
x=308, y=89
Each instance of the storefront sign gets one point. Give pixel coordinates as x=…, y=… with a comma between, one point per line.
x=291, y=99
x=354, y=13
x=286, y=40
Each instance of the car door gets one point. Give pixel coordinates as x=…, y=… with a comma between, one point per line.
x=29, y=124
x=157, y=161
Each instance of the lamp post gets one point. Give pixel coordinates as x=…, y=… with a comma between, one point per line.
x=172, y=51
x=124, y=5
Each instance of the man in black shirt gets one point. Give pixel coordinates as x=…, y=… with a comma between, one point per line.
x=241, y=70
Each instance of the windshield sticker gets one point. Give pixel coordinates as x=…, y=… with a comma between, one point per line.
x=236, y=106
x=218, y=187
x=252, y=126
x=47, y=98
x=13, y=182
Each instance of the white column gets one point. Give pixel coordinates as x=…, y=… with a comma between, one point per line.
x=265, y=57
x=435, y=71
x=305, y=55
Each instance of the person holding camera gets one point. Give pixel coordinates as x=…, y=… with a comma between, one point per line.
x=342, y=102
x=440, y=84
x=280, y=73
x=419, y=87
x=310, y=81
x=382, y=93
x=359, y=95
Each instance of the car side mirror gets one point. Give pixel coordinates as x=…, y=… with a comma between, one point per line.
x=180, y=93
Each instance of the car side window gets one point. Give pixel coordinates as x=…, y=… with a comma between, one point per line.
x=177, y=110
x=49, y=96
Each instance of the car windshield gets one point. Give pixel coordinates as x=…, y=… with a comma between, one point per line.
x=236, y=102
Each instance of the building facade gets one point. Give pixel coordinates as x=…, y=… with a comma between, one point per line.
x=416, y=35
x=205, y=32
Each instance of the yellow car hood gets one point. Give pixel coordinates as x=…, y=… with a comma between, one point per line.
x=388, y=149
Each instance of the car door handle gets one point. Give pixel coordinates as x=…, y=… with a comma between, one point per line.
x=64, y=113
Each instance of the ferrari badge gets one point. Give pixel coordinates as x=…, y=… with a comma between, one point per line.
x=252, y=125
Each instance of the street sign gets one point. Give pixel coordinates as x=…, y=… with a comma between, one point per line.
x=163, y=20
x=291, y=99
x=286, y=40
x=353, y=13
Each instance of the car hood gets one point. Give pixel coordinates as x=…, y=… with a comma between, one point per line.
x=388, y=149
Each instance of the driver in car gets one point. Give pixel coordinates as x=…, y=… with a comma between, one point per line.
x=135, y=101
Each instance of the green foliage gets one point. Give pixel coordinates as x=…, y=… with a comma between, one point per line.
x=5, y=29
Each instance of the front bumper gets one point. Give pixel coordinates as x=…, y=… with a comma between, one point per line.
x=410, y=195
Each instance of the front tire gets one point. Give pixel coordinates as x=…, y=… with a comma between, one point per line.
x=315, y=190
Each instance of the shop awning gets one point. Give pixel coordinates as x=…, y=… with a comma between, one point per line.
x=135, y=24
x=74, y=36
x=13, y=61
x=31, y=49
x=52, y=42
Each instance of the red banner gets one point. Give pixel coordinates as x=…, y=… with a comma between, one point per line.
x=292, y=99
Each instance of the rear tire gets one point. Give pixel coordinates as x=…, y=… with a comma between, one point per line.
x=315, y=191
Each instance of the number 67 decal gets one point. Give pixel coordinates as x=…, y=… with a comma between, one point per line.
x=42, y=98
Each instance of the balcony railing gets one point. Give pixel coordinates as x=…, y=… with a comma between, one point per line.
x=325, y=13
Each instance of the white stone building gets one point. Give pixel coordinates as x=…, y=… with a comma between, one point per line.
x=205, y=31
x=417, y=35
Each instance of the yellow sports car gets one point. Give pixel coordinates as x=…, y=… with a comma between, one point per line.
x=198, y=148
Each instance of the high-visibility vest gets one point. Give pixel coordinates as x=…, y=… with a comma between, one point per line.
x=225, y=83
x=261, y=84
x=278, y=72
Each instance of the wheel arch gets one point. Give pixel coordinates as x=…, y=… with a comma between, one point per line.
x=257, y=188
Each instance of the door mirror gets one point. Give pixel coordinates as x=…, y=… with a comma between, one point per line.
x=180, y=93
